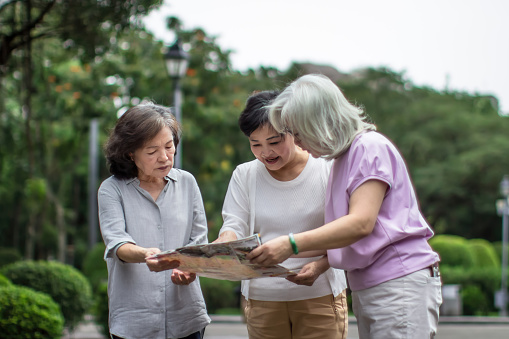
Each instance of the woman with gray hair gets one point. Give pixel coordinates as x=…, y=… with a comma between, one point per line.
x=147, y=206
x=373, y=228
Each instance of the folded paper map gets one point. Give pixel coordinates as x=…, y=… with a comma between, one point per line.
x=223, y=260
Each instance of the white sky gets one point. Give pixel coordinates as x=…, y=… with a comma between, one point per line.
x=460, y=43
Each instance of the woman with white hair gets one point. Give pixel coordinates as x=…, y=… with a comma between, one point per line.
x=373, y=228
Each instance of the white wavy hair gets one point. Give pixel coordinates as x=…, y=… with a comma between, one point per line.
x=315, y=108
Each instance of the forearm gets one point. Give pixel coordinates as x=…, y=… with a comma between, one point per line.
x=132, y=253
x=339, y=233
x=309, y=254
x=364, y=206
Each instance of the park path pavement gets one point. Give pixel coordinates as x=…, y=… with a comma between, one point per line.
x=231, y=327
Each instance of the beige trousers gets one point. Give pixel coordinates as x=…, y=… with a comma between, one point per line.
x=317, y=318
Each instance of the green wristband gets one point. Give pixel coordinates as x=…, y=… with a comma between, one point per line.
x=294, y=245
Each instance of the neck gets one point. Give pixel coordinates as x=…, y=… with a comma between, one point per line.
x=151, y=180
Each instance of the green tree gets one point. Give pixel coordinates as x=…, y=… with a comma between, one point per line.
x=74, y=22
x=47, y=44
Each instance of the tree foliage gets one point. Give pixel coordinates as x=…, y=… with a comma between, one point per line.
x=73, y=22
x=454, y=143
x=52, y=82
x=26, y=313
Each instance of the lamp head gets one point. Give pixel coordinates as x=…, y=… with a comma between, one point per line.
x=176, y=60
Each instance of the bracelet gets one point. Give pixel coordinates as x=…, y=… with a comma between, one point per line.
x=293, y=243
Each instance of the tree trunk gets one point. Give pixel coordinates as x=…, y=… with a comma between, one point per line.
x=62, y=234
x=27, y=112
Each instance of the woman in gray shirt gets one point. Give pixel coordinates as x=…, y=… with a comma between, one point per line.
x=147, y=206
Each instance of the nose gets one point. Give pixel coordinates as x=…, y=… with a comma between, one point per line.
x=163, y=157
x=266, y=151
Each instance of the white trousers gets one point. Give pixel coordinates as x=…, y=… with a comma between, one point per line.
x=406, y=307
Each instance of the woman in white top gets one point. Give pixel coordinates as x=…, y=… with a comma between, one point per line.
x=281, y=192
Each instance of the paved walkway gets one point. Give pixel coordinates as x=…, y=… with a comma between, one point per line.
x=231, y=327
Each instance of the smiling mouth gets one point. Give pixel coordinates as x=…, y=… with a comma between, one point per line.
x=271, y=160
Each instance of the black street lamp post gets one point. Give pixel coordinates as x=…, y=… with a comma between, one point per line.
x=176, y=65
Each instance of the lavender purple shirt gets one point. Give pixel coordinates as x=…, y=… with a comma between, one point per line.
x=398, y=244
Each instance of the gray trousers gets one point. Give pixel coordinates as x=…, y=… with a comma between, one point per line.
x=406, y=307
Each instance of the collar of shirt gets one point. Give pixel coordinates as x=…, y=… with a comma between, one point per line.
x=171, y=176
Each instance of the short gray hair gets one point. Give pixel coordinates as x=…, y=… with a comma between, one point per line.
x=315, y=108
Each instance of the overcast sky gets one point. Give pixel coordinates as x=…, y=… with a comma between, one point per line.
x=462, y=44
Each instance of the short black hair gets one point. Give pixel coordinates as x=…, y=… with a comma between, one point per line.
x=256, y=113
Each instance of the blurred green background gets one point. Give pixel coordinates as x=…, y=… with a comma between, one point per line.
x=64, y=64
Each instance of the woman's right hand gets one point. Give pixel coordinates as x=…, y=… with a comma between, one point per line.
x=273, y=252
x=159, y=265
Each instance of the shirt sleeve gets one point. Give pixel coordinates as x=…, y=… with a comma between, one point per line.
x=111, y=218
x=371, y=159
x=236, y=212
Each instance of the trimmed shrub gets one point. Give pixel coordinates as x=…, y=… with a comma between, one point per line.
x=94, y=266
x=66, y=285
x=4, y=281
x=453, y=250
x=487, y=280
x=9, y=255
x=25, y=313
x=484, y=253
x=498, y=250
x=220, y=294
x=101, y=309
x=475, y=302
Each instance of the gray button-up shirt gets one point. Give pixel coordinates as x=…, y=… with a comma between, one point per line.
x=144, y=304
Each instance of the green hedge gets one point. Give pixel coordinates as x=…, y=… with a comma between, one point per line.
x=9, y=255
x=498, y=250
x=474, y=281
x=453, y=250
x=28, y=314
x=101, y=309
x=475, y=301
x=4, y=281
x=484, y=252
x=66, y=285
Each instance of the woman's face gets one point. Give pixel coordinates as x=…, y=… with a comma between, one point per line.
x=272, y=149
x=302, y=145
x=155, y=159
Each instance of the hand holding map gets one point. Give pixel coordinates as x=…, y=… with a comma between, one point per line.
x=223, y=260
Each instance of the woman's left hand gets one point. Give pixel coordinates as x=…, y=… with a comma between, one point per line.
x=182, y=278
x=310, y=272
x=272, y=252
